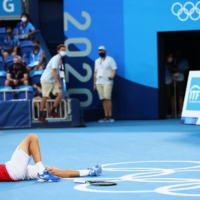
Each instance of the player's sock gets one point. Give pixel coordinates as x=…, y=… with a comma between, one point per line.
x=40, y=167
x=84, y=172
x=53, y=109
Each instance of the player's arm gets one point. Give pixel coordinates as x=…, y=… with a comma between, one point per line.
x=63, y=173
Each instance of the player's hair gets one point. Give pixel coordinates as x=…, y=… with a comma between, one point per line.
x=60, y=46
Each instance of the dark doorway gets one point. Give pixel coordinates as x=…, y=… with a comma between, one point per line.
x=188, y=42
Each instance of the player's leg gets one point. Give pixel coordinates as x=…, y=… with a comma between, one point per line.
x=94, y=171
x=30, y=146
x=21, y=157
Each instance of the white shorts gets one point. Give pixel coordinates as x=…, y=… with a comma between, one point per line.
x=18, y=167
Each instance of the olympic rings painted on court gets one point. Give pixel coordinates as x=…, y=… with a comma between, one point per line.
x=151, y=175
x=186, y=11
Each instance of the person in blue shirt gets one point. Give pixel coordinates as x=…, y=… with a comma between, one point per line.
x=25, y=30
x=179, y=72
x=35, y=59
x=11, y=43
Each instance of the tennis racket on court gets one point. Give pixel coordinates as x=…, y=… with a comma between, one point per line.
x=96, y=183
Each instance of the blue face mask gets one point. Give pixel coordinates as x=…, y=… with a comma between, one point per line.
x=9, y=33
x=63, y=53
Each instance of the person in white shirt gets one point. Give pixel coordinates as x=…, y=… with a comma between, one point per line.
x=104, y=73
x=50, y=83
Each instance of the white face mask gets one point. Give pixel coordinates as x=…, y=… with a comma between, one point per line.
x=170, y=59
x=24, y=19
x=63, y=53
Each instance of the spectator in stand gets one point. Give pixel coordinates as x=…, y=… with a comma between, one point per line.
x=17, y=74
x=11, y=43
x=25, y=30
x=35, y=58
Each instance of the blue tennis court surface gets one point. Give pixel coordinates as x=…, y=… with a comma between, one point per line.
x=158, y=160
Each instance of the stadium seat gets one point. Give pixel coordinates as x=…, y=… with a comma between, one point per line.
x=8, y=95
x=35, y=76
x=2, y=78
x=1, y=64
x=22, y=94
x=9, y=61
x=26, y=59
x=25, y=47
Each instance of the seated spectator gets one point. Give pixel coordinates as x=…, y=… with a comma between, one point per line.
x=35, y=58
x=25, y=30
x=17, y=74
x=11, y=43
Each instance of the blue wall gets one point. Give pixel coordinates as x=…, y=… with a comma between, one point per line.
x=10, y=8
x=129, y=30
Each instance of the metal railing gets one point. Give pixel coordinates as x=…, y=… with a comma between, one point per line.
x=61, y=109
x=16, y=90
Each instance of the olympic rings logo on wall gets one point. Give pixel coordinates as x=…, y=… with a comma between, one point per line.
x=186, y=11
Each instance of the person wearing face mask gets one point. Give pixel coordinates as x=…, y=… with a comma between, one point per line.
x=35, y=58
x=17, y=74
x=51, y=83
x=168, y=82
x=104, y=74
x=11, y=43
x=25, y=29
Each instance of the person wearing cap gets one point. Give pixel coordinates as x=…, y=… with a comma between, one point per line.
x=104, y=73
x=16, y=73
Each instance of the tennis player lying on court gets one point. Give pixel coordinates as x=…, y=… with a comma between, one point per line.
x=18, y=167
